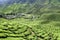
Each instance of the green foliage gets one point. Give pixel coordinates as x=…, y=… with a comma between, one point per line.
x=23, y=29
x=51, y=16
x=46, y=25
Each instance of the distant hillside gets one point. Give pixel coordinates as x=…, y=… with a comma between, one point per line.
x=37, y=6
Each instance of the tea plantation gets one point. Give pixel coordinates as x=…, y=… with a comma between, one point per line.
x=27, y=29
x=39, y=20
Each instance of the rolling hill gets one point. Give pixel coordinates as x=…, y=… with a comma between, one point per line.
x=30, y=20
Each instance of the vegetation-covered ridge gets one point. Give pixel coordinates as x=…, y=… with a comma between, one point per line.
x=39, y=20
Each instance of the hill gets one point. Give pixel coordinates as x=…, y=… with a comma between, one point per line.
x=30, y=20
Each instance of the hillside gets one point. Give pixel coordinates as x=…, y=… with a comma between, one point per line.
x=30, y=20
